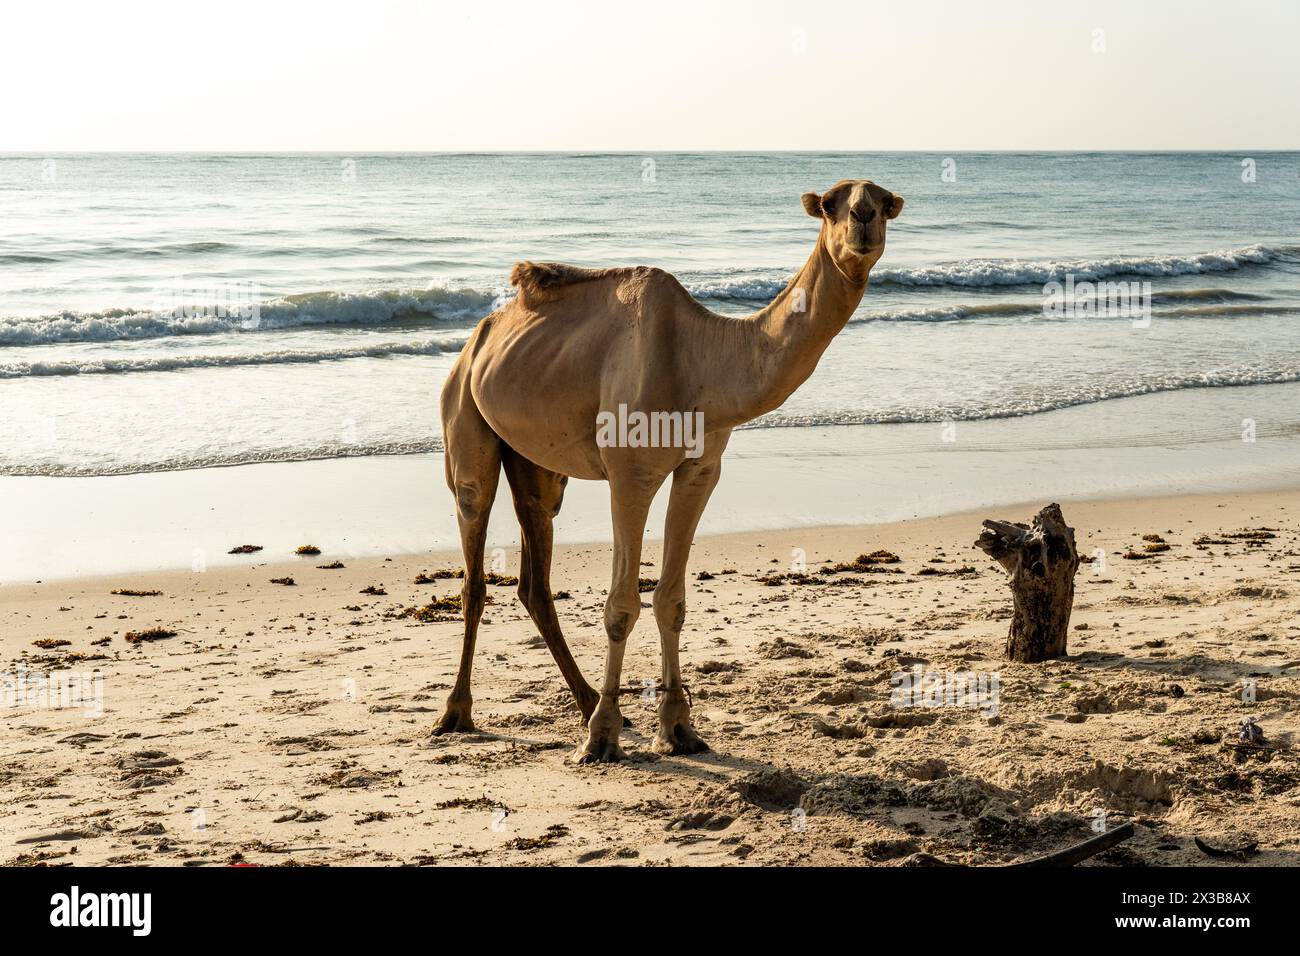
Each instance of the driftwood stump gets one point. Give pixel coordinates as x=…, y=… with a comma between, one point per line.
x=1041, y=561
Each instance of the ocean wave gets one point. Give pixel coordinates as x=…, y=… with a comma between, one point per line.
x=225, y=460
x=969, y=225
x=1206, y=295
x=451, y=342
x=1225, y=311
x=952, y=313
x=1176, y=307
x=763, y=285
x=989, y=273
x=1055, y=400
x=295, y=311
x=123, y=250
x=466, y=305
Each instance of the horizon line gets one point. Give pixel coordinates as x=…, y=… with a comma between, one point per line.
x=630, y=152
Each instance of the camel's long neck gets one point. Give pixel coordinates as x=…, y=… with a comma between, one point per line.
x=797, y=326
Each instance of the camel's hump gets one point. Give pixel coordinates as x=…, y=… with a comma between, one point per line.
x=537, y=279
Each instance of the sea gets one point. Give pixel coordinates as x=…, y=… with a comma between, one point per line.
x=162, y=312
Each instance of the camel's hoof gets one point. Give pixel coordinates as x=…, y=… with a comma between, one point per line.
x=680, y=741
x=455, y=722
x=598, y=752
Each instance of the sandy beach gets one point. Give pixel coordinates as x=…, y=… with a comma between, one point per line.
x=288, y=723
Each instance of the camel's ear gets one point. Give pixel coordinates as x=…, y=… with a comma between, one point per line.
x=895, y=206
x=812, y=204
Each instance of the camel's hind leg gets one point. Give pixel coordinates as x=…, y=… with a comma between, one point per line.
x=538, y=494
x=473, y=457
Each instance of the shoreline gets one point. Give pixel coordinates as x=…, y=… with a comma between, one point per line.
x=1251, y=502
x=1152, y=445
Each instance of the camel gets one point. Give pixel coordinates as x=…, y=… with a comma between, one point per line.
x=538, y=381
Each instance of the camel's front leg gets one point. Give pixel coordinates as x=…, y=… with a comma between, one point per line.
x=630, y=499
x=693, y=482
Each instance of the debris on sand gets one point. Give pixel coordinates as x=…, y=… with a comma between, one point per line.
x=554, y=832
x=375, y=589
x=704, y=576
x=472, y=803
x=129, y=592
x=873, y=563
x=301, y=745
x=1251, y=732
x=964, y=571
x=1238, y=853
x=438, y=610
x=890, y=849
x=791, y=577
x=308, y=549
x=332, y=566
x=646, y=584
x=863, y=563
x=426, y=577
x=349, y=778
x=149, y=634
x=245, y=549
x=717, y=667
x=287, y=582
x=1252, y=534
x=505, y=580
x=779, y=648
x=49, y=643
x=771, y=788
x=146, y=769
x=146, y=760
x=700, y=820
x=1073, y=855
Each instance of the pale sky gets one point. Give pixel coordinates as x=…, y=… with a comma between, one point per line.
x=856, y=75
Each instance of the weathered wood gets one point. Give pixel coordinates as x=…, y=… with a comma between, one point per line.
x=1041, y=562
x=1073, y=855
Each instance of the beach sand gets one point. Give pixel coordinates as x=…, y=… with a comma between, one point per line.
x=290, y=724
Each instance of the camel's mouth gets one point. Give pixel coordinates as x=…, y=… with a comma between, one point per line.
x=866, y=248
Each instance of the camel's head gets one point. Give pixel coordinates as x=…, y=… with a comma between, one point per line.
x=853, y=214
